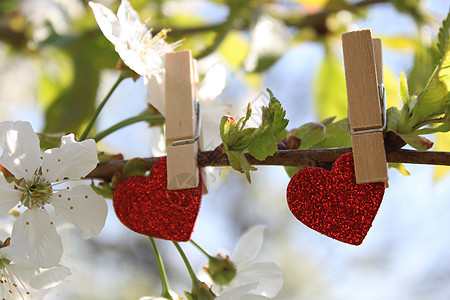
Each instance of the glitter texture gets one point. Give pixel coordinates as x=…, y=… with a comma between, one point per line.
x=144, y=205
x=332, y=203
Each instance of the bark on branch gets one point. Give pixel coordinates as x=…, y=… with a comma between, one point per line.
x=317, y=157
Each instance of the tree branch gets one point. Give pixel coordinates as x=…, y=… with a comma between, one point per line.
x=316, y=157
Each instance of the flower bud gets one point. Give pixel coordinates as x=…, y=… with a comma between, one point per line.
x=221, y=270
x=200, y=292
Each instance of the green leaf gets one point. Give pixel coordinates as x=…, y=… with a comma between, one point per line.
x=419, y=142
x=443, y=36
x=276, y=117
x=290, y=171
x=328, y=121
x=244, y=139
x=330, y=90
x=442, y=144
x=104, y=190
x=310, y=134
x=444, y=71
x=75, y=104
x=260, y=142
x=392, y=119
x=336, y=136
x=404, y=94
x=240, y=163
x=225, y=124
x=234, y=48
x=57, y=75
x=425, y=60
x=429, y=101
x=134, y=167
x=263, y=146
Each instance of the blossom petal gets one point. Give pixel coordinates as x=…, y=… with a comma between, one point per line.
x=213, y=83
x=49, y=278
x=9, y=197
x=267, y=274
x=20, y=146
x=83, y=207
x=107, y=21
x=155, y=91
x=36, y=234
x=129, y=20
x=248, y=245
x=72, y=159
x=238, y=292
x=131, y=59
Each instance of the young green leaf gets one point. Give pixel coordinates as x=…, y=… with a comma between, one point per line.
x=404, y=88
x=443, y=36
x=329, y=88
x=263, y=146
x=266, y=135
x=310, y=134
x=419, y=142
x=260, y=142
x=392, y=119
x=431, y=100
x=400, y=167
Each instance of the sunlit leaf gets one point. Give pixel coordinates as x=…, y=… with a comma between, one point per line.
x=330, y=90
x=429, y=101
x=234, y=48
x=391, y=84
x=75, y=104
x=57, y=75
x=443, y=36
x=400, y=167
x=310, y=134
x=399, y=42
x=442, y=143
x=337, y=135
x=317, y=4
x=425, y=60
x=404, y=94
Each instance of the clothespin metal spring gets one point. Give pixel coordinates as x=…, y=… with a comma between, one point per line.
x=382, y=95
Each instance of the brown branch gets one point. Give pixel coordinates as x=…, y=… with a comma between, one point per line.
x=316, y=157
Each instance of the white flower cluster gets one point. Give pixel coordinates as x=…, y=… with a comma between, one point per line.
x=31, y=256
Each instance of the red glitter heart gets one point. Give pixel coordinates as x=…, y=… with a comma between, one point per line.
x=144, y=205
x=332, y=203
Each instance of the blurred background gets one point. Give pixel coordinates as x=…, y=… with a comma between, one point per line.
x=55, y=66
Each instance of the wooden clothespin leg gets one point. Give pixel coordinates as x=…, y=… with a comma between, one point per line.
x=181, y=121
x=200, y=140
x=363, y=75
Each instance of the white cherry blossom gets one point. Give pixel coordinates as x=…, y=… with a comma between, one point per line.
x=253, y=279
x=37, y=177
x=133, y=41
x=20, y=279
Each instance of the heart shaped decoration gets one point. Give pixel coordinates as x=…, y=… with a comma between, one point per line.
x=331, y=202
x=144, y=205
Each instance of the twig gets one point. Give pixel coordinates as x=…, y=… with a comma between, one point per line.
x=316, y=157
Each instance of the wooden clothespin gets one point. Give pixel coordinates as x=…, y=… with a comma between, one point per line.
x=366, y=109
x=182, y=121
x=200, y=140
